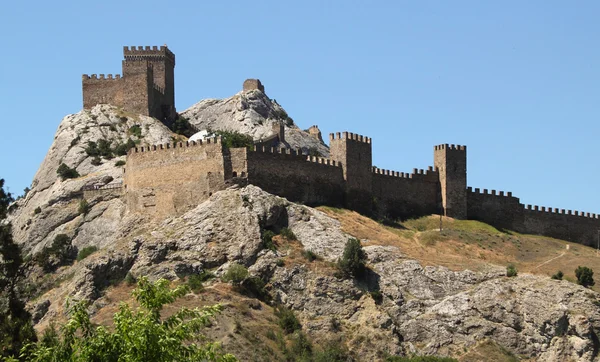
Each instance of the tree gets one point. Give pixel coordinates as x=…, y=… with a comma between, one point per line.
x=558, y=276
x=66, y=172
x=15, y=321
x=137, y=335
x=234, y=139
x=585, y=276
x=354, y=258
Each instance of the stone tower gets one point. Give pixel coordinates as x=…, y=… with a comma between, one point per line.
x=353, y=151
x=451, y=162
x=147, y=86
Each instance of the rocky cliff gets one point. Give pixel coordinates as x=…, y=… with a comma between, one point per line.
x=400, y=307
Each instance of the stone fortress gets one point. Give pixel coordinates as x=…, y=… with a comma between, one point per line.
x=162, y=180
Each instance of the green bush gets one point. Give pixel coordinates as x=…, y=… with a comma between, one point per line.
x=136, y=130
x=61, y=252
x=130, y=279
x=511, y=271
x=37, y=210
x=377, y=296
x=96, y=161
x=234, y=139
x=123, y=148
x=195, y=283
x=254, y=287
x=287, y=320
x=235, y=274
x=288, y=234
x=331, y=352
x=353, y=260
x=120, y=163
x=84, y=207
x=558, y=276
x=267, y=240
x=65, y=172
x=585, y=276
x=183, y=127
x=139, y=334
x=85, y=252
x=309, y=255
x=280, y=262
x=301, y=348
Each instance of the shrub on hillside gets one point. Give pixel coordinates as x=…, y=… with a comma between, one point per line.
x=558, y=276
x=287, y=319
x=235, y=274
x=234, y=139
x=61, y=252
x=585, y=276
x=309, y=255
x=84, y=207
x=37, y=210
x=120, y=163
x=136, y=130
x=65, y=172
x=420, y=359
x=267, y=240
x=85, y=252
x=288, y=234
x=511, y=271
x=353, y=260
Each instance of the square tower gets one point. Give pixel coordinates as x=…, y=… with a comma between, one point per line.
x=353, y=151
x=451, y=163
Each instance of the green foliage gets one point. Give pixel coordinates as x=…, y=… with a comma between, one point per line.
x=182, y=126
x=75, y=140
x=331, y=352
x=267, y=240
x=85, y=252
x=234, y=139
x=558, y=276
x=130, y=279
x=301, y=348
x=235, y=274
x=377, y=296
x=120, y=163
x=280, y=262
x=309, y=255
x=195, y=281
x=254, y=287
x=37, y=210
x=61, y=252
x=66, y=172
x=122, y=148
x=420, y=359
x=15, y=321
x=84, y=206
x=287, y=320
x=585, y=276
x=511, y=271
x=136, y=335
x=136, y=130
x=353, y=260
x=96, y=161
x=288, y=234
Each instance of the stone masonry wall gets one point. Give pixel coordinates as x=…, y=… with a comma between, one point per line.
x=499, y=209
x=400, y=195
x=170, y=179
x=564, y=224
x=289, y=174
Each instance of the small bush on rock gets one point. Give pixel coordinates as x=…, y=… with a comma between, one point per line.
x=235, y=274
x=511, y=271
x=85, y=252
x=65, y=172
x=558, y=276
x=353, y=260
x=287, y=320
x=120, y=163
x=37, y=210
x=267, y=240
x=288, y=234
x=309, y=255
x=585, y=276
x=84, y=207
x=130, y=279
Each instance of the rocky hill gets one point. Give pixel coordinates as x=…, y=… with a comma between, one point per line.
x=412, y=300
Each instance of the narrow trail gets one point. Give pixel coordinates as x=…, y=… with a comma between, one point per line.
x=547, y=261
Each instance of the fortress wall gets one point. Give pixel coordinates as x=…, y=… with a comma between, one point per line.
x=400, y=195
x=499, y=209
x=289, y=174
x=101, y=89
x=172, y=178
x=239, y=163
x=561, y=224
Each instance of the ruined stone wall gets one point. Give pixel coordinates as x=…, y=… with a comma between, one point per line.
x=499, y=209
x=251, y=84
x=561, y=224
x=289, y=174
x=400, y=195
x=170, y=179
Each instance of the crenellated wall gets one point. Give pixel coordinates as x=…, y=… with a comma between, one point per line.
x=500, y=209
x=561, y=224
x=301, y=178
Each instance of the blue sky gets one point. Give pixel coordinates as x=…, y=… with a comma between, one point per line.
x=518, y=82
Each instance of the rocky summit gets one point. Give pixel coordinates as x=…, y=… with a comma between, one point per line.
x=410, y=301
